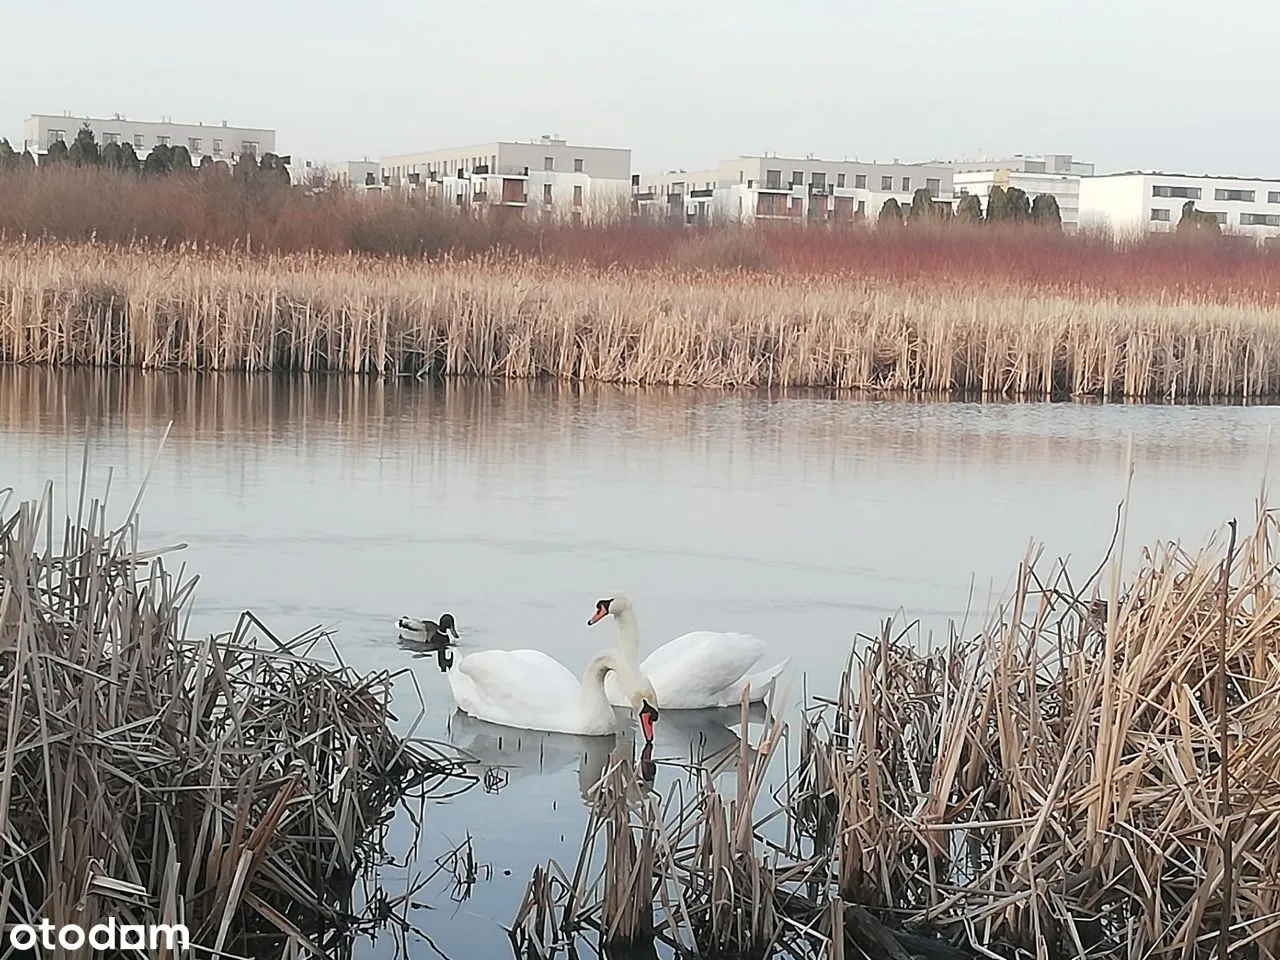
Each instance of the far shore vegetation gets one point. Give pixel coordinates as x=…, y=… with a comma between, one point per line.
x=111, y=261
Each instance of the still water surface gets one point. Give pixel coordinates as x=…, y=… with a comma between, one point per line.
x=802, y=519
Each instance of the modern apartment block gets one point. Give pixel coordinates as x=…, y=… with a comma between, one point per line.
x=782, y=189
x=545, y=177
x=1056, y=174
x=1133, y=203
x=221, y=142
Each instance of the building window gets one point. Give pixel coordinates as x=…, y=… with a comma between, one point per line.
x=839, y=179
x=1183, y=193
x=862, y=208
x=250, y=147
x=577, y=196
x=1160, y=214
x=860, y=181
x=217, y=148
x=548, y=163
x=56, y=136
x=797, y=177
x=162, y=141
x=818, y=180
x=1244, y=196
x=137, y=141
x=193, y=146
x=886, y=183
x=1273, y=196
x=577, y=165
x=1260, y=219
x=546, y=193
x=934, y=186
x=773, y=179
x=110, y=138
x=1220, y=217
x=906, y=184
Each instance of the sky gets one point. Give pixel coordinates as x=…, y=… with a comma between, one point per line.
x=1127, y=84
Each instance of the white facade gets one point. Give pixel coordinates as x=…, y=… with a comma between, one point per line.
x=548, y=177
x=1129, y=204
x=221, y=142
x=1055, y=174
x=781, y=189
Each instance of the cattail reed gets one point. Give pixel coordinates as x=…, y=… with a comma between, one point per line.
x=1056, y=786
x=521, y=319
x=236, y=784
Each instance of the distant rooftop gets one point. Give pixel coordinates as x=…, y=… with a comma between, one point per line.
x=1189, y=176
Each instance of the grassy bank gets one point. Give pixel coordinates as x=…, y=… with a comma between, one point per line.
x=514, y=317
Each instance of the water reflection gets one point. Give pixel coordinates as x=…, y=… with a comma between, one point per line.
x=441, y=650
x=693, y=739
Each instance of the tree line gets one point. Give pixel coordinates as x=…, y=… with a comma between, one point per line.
x=1011, y=205
x=1004, y=205
x=161, y=160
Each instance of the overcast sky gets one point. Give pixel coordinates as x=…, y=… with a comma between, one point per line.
x=1166, y=84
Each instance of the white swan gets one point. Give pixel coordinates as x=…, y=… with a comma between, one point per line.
x=529, y=690
x=694, y=671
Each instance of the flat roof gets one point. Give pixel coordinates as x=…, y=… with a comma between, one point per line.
x=154, y=123
x=1186, y=176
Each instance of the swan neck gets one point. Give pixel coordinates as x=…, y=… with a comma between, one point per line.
x=629, y=634
x=594, y=700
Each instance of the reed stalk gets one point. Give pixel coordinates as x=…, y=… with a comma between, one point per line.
x=1057, y=786
x=238, y=784
x=512, y=319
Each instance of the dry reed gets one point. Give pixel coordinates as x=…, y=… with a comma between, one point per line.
x=1085, y=779
x=506, y=319
x=235, y=784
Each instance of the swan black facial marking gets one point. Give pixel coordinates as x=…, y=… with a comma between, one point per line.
x=603, y=605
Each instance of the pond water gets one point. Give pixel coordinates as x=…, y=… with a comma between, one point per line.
x=803, y=519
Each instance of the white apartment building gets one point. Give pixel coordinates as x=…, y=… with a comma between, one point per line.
x=782, y=189
x=1135, y=203
x=221, y=141
x=546, y=177
x=1056, y=174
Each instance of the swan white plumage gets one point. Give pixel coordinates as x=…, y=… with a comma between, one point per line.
x=532, y=691
x=695, y=671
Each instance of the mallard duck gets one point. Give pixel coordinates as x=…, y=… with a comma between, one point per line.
x=428, y=630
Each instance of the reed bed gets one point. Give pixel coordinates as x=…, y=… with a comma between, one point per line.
x=111, y=307
x=238, y=784
x=67, y=203
x=1087, y=778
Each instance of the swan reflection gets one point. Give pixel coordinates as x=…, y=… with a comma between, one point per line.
x=691, y=738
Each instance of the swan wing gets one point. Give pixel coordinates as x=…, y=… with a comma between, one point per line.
x=701, y=669
x=517, y=688
x=758, y=683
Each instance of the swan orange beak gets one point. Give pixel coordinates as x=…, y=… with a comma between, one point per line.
x=648, y=714
x=601, y=612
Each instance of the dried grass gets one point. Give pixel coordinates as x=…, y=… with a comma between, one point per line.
x=516, y=319
x=1084, y=779
x=235, y=784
